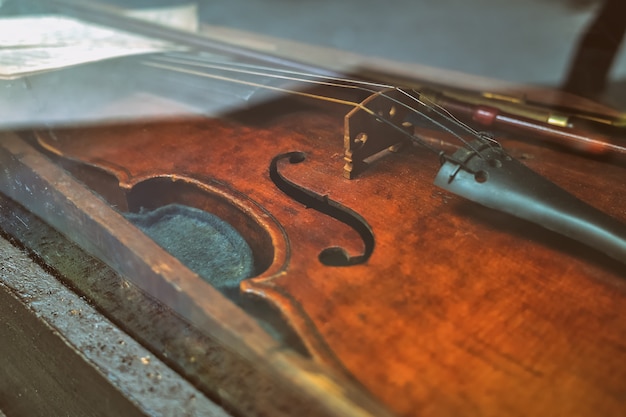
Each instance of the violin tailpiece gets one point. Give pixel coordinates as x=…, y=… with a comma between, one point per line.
x=489, y=176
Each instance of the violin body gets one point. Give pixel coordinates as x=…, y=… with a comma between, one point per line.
x=434, y=305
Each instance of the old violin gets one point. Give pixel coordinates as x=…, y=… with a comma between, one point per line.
x=420, y=266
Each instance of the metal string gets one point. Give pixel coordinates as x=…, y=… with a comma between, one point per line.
x=323, y=80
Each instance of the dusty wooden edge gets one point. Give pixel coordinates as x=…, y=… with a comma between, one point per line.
x=49, y=192
x=52, y=329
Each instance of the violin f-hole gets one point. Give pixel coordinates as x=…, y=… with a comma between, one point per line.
x=335, y=255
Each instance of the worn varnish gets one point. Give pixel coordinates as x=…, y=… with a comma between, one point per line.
x=460, y=310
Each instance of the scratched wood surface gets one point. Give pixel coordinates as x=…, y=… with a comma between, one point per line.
x=460, y=310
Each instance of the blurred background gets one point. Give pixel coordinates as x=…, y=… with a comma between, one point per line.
x=516, y=40
x=527, y=41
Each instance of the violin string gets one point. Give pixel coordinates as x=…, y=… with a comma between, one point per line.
x=331, y=82
x=349, y=103
x=198, y=60
x=252, y=84
x=289, y=76
x=444, y=113
x=343, y=83
x=463, y=125
x=352, y=104
x=358, y=84
x=201, y=61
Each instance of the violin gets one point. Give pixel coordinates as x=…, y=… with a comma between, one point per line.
x=350, y=244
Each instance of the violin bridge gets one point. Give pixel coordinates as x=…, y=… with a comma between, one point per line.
x=377, y=124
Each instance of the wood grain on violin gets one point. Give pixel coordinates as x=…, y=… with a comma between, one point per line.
x=450, y=308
